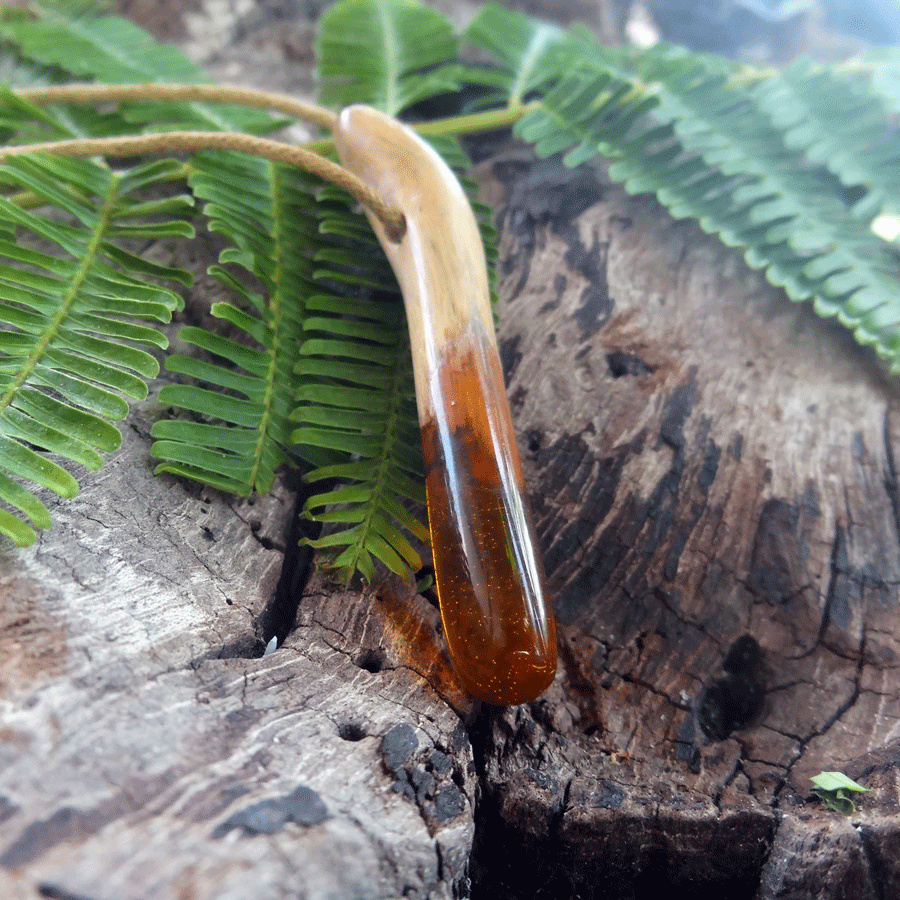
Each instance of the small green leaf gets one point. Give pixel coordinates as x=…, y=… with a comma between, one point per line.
x=16, y=495
x=17, y=531
x=835, y=790
x=531, y=52
x=833, y=781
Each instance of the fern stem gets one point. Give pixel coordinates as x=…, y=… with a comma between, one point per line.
x=275, y=323
x=183, y=93
x=390, y=56
x=176, y=141
x=26, y=199
x=454, y=125
x=482, y=121
x=323, y=147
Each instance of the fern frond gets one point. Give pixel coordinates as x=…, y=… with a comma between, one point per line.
x=21, y=122
x=882, y=65
x=72, y=324
x=689, y=129
x=824, y=114
x=356, y=410
x=267, y=212
x=112, y=50
x=837, y=261
x=378, y=51
x=530, y=54
x=356, y=402
x=836, y=122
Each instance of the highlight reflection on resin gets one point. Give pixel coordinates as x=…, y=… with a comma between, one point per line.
x=490, y=579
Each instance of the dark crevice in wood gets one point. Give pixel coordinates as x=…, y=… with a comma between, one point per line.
x=279, y=617
x=621, y=364
x=506, y=862
x=736, y=770
x=440, y=861
x=57, y=892
x=351, y=731
x=488, y=820
x=839, y=573
x=891, y=480
x=729, y=704
x=878, y=873
x=373, y=660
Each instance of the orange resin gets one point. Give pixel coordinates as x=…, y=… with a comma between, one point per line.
x=490, y=580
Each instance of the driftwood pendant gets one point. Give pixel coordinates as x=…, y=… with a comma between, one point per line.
x=490, y=579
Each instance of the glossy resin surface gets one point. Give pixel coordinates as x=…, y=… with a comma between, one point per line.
x=490, y=581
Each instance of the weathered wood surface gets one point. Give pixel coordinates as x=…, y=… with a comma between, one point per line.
x=706, y=461
x=147, y=752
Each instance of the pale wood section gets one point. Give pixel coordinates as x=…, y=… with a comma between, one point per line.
x=439, y=262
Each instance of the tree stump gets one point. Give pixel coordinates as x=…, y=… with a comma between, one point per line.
x=713, y=475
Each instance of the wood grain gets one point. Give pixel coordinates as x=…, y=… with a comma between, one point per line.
x=708, y=463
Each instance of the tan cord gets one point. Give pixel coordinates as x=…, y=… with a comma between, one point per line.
x=184, y=93
x=174, y=141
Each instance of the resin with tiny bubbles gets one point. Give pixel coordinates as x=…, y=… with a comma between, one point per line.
x=489, y=578
x=488, y=572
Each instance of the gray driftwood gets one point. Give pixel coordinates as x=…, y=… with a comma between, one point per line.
x=713, y=475
x=144, y=751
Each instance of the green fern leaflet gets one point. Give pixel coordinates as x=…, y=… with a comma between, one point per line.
x=241, y=393
x=75, y=323
x=391, y=43
x=356, y=410
x=312, y=367
x=697, y=133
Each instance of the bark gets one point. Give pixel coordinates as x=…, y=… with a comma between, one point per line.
x=713, y=475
